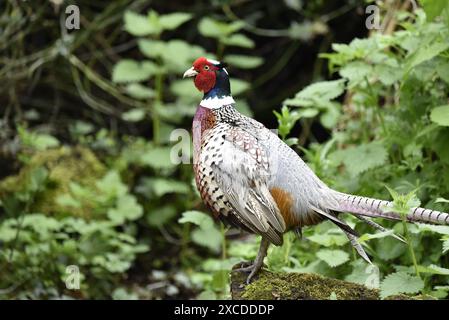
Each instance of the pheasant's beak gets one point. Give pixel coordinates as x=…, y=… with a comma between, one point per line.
x=190, y=73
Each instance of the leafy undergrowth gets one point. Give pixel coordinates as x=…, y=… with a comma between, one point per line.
x=114, y=209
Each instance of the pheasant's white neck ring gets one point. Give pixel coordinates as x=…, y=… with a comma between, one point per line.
x=215, y=102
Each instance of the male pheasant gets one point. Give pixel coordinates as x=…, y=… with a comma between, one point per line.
x=249, y=178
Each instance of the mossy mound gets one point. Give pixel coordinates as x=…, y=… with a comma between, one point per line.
x=64, y=165
x=299, y=286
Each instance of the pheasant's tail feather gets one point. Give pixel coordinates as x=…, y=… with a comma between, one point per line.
x=357, y=246
x=375, y=208
x=378, y=227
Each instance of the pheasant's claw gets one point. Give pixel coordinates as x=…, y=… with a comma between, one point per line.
x=252, y=274
x=245, y=267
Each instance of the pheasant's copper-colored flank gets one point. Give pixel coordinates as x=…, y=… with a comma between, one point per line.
x=284, y=202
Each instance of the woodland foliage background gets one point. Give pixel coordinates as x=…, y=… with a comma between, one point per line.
x=86, y=117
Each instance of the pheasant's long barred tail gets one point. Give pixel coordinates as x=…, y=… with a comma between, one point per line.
x=376, y=208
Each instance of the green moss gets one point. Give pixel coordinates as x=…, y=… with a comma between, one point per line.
x=64, y=165
x=299, y=286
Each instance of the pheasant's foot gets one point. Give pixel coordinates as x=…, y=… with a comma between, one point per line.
x=253, y=268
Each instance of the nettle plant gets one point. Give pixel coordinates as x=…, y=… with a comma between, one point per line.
x=388, y=117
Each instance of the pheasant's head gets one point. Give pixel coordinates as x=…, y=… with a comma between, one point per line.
x=208, y=74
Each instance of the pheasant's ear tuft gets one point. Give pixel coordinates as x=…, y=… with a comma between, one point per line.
x=222, y=65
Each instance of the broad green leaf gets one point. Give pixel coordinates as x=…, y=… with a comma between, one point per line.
x=426, y=53
x=127, y=209
x=440, y=115
x=208, y=237
x=433, y=8
x=239, y=40
x=185, y=90
x=160, y=216
x=138, y=91
x=333, y=258
x=131, y=70
x=328, y=239
x=379, y=235
x=216, y=29
x=164, y=186
x=400, y=282
x=35, y=140
x=139, y=25
x=239, y=86
x=438, y=200
x=68, y=201
x=243, y=62
x=444, y=230
x=41, y=141
x=317, y=94
x=134, y=115
x=199, y=218
x=356, y=72
x=111, y=185
x=361, y=158
x=173, y=20
x=433, y=269
x=157, y=158
x=177, y=55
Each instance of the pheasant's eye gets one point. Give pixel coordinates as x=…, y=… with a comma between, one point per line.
x=206, y=67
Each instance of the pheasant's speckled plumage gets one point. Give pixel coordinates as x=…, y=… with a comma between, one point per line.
x=251, y=179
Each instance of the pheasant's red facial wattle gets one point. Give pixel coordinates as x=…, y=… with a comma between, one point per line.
x=206, y=77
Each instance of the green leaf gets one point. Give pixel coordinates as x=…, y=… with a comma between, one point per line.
x=216, y=29
x=162, y=186
x=433, y=8
x=177, y=55
x=131, y=70
x=446, y=246
x=38, y=141
x=378, y=235
x=439, y=200
x=160, y=216
x=328, y=239
x=111, y=185
x=199, y=218
x=138, y=91
x=440, y=115
x=361, y=158
x=400, y=282
x=140, y=25
x=239, y=40
x=243, y=62
x=185, y=90
x=209, y=238
x=157, y=158
x=239, y=86
x=127, y=209
x=433, y=269
x=317, y=94
x=444, y=230
x=356, y=72
x=333, y=258
x=68, y=201
x=173, y=20
x=425, y=53
x=134, y=115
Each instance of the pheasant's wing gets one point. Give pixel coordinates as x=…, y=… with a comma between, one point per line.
x=242, y=173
